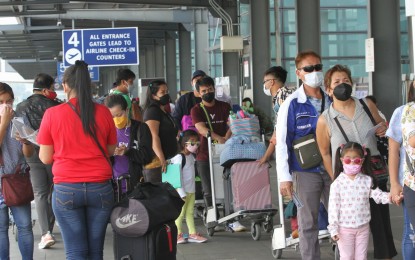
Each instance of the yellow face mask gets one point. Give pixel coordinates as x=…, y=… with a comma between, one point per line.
x=120, y=122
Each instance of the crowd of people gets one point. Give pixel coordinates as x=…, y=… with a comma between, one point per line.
x=83, y=146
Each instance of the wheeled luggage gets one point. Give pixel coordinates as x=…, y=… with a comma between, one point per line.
x=251, y=188
x=158, y=244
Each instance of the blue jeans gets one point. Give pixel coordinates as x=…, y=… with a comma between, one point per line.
x=83, y=211
x=23, y=218
x=408, y=243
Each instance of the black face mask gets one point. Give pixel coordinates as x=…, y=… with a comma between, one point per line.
x=209, y=97
x=164, y=100
x=342, y=91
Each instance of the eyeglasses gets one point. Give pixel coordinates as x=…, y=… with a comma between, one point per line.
x=193, y=143
x=348, y=160
x=265, y=81
x=312, y=68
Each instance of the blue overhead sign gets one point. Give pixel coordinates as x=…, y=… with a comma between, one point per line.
x=93, y=72
x=101, y=47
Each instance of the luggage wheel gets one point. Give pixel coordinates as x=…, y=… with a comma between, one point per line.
x=277, y=253
x=256, y=231
x=211, y=231
x=268, y=224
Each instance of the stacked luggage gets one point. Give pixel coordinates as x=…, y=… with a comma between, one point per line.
x=245, y=183
x=143, y=221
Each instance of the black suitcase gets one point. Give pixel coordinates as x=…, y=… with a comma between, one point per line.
x=158, y=244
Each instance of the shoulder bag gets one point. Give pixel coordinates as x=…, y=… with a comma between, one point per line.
x=382, y=142
x=378, y=165
x=16, y=188
x=306, y=149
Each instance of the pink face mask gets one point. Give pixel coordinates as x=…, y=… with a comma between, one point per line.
x=352, y=169
x=192, y=148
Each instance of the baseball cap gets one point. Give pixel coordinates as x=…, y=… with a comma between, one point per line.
x=198, y=73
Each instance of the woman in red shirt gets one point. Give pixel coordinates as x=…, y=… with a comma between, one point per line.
x=78, y=137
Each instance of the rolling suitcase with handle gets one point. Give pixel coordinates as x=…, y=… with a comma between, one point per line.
x=160, y=243
x=251, y=188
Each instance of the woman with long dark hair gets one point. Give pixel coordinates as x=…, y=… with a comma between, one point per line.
x=346, y=120
x=78, y=138
x=162, y=126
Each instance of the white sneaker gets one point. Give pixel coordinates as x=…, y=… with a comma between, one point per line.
x=46, y=241
x=237, y=227
x=323, y=232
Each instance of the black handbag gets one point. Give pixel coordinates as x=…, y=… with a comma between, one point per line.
x=382, y=142
x=146, y=207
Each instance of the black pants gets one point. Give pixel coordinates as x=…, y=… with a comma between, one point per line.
x=380, y=226
x=203, y=170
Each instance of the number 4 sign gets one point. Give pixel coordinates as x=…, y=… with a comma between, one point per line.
x=72, y=47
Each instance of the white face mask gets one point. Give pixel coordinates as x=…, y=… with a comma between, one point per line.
x=314, y=79
x=3, y=107
x=267, y=91
x=130, y=87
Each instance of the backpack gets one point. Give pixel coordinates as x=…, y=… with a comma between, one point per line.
x=187, y=123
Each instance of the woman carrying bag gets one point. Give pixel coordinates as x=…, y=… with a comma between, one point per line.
x=13, y=162
x=347, y=120
x=78, y=138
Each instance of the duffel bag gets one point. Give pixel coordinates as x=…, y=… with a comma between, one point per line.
x=237, y=152
x=147, y=206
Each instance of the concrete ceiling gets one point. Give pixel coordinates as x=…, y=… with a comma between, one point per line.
x=35, y=44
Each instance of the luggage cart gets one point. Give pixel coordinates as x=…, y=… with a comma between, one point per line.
x=257, y=216
x=279, y=239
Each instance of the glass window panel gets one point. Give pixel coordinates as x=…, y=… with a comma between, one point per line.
x=289, y=46
x=404, y=44
x=273, y=46
x=402, y=3
x=335, y=20
x=343, y=45
x=272, y=21
x=289, y=66
x=405, y=68
x=244, y=27
x=356, y=66
x=343, y=3
x=288, y=20
x=404, y=21
x=271, y=3
x=287, y=3
x=243, y=8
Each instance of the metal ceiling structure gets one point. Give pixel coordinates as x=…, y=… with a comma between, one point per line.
x=35, y=44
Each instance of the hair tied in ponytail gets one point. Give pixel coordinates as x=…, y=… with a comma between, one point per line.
x=81, y=63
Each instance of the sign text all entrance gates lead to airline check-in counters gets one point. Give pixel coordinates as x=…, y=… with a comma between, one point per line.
x=101, y=47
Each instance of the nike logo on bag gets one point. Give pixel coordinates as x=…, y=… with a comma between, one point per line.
x=126, y=221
